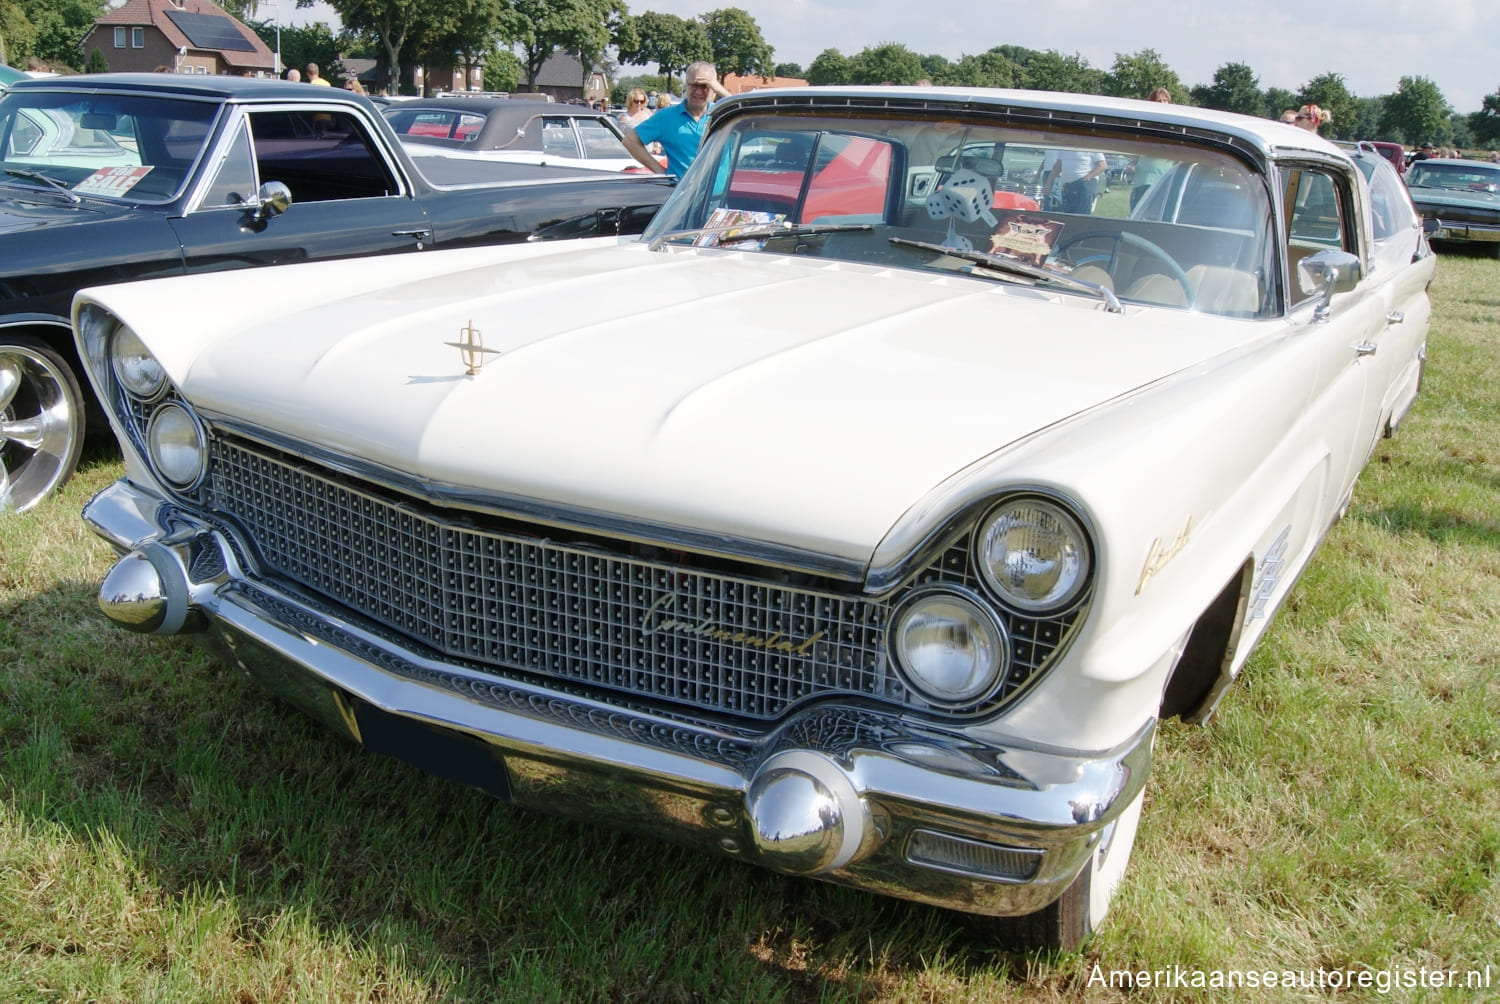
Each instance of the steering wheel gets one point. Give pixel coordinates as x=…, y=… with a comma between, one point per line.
x=1126, y=239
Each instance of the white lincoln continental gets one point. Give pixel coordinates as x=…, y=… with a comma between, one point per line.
x=860, y=521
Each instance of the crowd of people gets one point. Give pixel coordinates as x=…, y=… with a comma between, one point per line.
x=314, y=75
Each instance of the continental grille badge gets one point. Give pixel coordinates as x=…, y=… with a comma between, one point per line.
x=471, y=349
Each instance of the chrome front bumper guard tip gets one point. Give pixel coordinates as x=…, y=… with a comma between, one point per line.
x=859, y=797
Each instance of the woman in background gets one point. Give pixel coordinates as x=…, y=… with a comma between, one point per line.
x=635, y=107
x=1311, y=117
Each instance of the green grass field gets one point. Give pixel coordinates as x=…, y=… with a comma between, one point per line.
x=169, y=833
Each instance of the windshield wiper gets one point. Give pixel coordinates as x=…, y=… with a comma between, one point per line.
x=1000, y=263
x=73, y=196
x=753, y=231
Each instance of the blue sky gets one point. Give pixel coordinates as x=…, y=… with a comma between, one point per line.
x=1372, y=43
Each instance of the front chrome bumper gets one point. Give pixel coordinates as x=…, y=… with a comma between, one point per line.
x=1439, y=229
x=858, y=796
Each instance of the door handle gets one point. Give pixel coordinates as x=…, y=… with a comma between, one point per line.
x=422, y=235
x=1395, y=317
x=1365, y=349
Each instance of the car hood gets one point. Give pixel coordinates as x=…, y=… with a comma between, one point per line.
x=26, y=209
x=1453, y=198
x=785, y=399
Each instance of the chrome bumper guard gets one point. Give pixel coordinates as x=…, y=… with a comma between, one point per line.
x=861, y=797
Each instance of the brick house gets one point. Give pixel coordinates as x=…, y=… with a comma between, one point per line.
x=562, y=77
x=181, y=36
x=736, y=84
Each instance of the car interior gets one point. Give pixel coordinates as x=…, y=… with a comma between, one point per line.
x=1197, y=234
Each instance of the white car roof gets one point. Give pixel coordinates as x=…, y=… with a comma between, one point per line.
x=1271, y=138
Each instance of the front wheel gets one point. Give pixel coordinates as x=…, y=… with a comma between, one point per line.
x=1069, y=921
x=42, y=422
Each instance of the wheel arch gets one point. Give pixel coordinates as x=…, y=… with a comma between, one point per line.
x=1206, y=668
x=57, y=333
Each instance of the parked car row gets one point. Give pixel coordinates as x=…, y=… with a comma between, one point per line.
x=504, y=129
x=113, y=177
x=847, y=523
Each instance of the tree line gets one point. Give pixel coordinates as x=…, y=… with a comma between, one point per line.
x=1416, y=112
x=512, y=39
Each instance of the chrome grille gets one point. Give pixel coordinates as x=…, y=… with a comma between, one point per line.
x=577, y=612
x=1487, y=219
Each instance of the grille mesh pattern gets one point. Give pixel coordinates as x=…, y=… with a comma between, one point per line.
x=690, y=636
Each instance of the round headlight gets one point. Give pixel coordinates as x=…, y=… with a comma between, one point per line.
x=135, y=367
x=1033, y=554
x=177, y=447
x=951, y=649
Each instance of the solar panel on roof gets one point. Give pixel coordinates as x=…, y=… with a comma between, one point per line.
x=210, y=31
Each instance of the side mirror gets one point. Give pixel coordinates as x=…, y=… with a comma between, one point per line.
x=1327, y=273
x=273, y=199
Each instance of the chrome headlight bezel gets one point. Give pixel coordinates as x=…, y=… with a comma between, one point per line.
x=171, y=469
x=1067, y=568
x=968, y=613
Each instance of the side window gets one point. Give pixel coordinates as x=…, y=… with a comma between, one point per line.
x=468, y=126
x=320, y=154
x=1315, y=219
x=831, y=175
x=599, y=141
x=234, y=178
x=850, y=178
x=1390, y=206
x=21, y=138
x=424, y=123
x=558, y=139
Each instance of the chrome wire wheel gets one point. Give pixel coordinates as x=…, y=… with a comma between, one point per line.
x=41, y=422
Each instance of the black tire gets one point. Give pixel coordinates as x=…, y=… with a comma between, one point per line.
x=42, y=421
x=1066, y=923
x=1061, y=926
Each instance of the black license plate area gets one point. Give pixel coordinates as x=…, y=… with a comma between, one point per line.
x=449, y=755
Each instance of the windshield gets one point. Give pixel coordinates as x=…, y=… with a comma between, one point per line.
x=1171, y=224
x=1456, y=177
x=125, y=147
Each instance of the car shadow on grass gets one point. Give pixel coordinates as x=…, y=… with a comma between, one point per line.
x=216, y=791
x=1441, y=526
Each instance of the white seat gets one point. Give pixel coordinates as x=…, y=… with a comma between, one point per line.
x=1216, y=290
x=1225, y=290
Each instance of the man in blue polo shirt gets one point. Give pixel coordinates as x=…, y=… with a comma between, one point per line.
x=678, y=128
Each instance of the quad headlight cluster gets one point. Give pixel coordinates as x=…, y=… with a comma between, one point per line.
x=166, y=430
x=1033, y=559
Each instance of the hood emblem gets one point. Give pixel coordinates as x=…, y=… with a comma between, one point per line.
x=471, y=349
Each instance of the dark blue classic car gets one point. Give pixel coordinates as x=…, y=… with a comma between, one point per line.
x=112, y=177
x=1459, y=200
